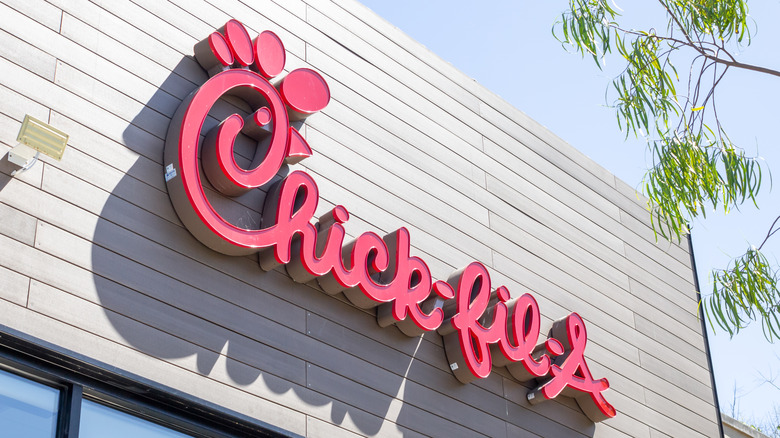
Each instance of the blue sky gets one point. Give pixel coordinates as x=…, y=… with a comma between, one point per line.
x=507, y=46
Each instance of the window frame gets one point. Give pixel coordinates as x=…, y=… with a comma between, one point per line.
x=78, y=380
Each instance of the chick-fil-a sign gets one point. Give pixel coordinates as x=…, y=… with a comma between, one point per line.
x=481, y=326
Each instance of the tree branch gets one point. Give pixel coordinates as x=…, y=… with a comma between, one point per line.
x=706, y=52
x=772, y=231
x=743, y=65
x=682, y=29
x=715, y=58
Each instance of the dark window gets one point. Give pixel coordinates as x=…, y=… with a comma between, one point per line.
x=27, y=408
x=96, y=419
x=33, y=410
x=46, y=394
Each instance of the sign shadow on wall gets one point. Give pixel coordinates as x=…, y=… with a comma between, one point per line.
x=171, y=297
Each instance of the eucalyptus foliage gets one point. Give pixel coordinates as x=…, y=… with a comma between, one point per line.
x=695, y=165
x=748, y=288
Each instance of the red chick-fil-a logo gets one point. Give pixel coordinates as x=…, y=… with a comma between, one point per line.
x=481, y=327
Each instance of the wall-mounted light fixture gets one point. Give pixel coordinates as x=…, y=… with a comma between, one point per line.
x=35, y=137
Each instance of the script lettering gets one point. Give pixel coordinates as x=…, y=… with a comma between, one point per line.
x=480, y=327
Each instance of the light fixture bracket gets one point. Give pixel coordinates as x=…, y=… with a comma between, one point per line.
x=22, y=155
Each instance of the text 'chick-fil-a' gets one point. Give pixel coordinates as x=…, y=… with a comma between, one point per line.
x=481, y=326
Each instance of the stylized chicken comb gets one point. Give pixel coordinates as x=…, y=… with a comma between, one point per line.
x=303, y=90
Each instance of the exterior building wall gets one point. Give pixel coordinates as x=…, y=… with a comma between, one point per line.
x=95, y=264
x=735, y=429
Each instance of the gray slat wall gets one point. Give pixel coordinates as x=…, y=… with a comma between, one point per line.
x=95, y=263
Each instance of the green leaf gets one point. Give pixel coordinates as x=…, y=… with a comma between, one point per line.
x=694, y=167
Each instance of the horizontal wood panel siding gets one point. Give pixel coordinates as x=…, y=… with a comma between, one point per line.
x=95, y=263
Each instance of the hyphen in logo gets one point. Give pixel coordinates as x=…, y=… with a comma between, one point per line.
x=481, y=327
